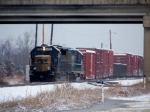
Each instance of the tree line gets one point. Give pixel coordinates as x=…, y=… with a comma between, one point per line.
x=15, y=54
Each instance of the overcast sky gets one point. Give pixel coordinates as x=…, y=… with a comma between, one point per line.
x=125, y=37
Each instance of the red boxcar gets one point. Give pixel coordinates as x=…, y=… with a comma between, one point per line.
x=97, y=60
x=124, y=58
x=89, y=63
x=129, y=64
x=103, y=62
x=135, y=65
x=140, y=65
x=110, y=63
x=104, y=55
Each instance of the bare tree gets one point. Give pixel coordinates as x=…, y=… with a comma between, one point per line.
x=6, y=48
x=14, y=57
x=24, y=45
x=6, y=53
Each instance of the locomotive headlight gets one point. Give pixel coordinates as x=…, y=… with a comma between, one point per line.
x=48, y=68
x=34, y=68
x=44, y=48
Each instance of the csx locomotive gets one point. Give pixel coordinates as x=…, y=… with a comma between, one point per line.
x=51, y=63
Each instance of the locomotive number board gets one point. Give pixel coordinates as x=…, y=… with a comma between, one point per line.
x=46, y=49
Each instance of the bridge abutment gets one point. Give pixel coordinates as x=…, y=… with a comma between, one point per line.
x=146, y=25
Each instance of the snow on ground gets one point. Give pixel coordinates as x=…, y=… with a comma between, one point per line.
x=142, y=101
x=23, y=91
x=83, y=85
x=128, y=82
x=8, y=93
x=137, y=98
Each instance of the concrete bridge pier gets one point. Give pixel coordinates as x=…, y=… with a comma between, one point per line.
x=146, y=25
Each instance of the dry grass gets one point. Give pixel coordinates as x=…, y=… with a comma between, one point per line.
x=61, y=98
x=1, y=80
x=119, y=91
x=13, y=79
x=65, y=97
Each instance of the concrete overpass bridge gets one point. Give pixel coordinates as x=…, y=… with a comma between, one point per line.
x=81, y=11
x=73, y=11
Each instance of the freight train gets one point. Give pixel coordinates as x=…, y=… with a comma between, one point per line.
x=52, y=63
x=57, y=63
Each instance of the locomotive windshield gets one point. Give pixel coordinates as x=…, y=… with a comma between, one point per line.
x=51, y=51
x=42, y=61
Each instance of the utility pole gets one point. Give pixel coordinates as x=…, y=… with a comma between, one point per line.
x=51, y=34
x=36, y=29
x=110, y=39
x=43, y=35
x=101, y=45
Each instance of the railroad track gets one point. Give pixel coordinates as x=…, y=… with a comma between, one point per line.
x=35, y=84
x=96, y=82
x=110, y=83
x=114, y=79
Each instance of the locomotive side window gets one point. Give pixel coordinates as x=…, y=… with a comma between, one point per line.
x=73, y=52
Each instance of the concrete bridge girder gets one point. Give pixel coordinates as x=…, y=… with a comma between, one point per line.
x=73, y=11
x=72, y=14
x=73, y=2
x=146, y=24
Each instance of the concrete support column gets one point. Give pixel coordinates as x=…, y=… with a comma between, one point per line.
x=146, y=24
x=27, y=73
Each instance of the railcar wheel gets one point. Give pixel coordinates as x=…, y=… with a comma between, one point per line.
x=50, y=78
x=32, y=78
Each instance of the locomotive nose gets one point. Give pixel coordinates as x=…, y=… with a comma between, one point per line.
x=42, y=62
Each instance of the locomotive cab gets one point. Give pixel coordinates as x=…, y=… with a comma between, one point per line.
x=44, y=63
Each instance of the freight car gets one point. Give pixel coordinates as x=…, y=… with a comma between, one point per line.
x=134, y=63
x=51, y=63
x=103, y=64
x=119, y=70
x=109, y=65
x=124, y=58
x=140, y=66
x=89, y=63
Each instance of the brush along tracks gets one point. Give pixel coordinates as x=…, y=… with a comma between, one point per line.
x=34, y=84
